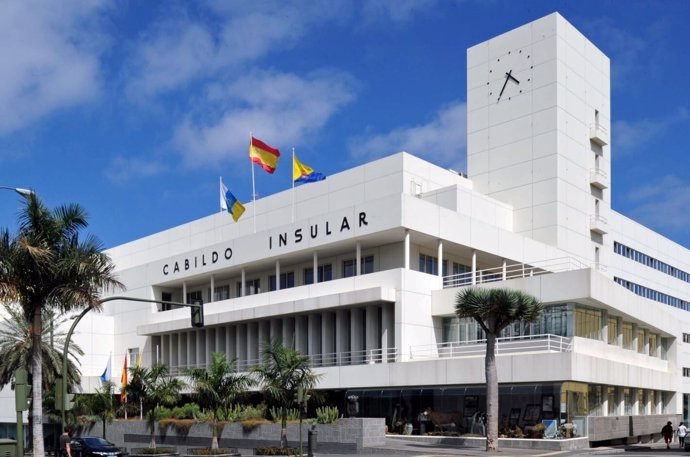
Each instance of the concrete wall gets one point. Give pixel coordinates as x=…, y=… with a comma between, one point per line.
x=633, y=428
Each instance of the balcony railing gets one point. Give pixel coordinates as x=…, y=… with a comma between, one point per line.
x=517, y=270
x=332, y=359
x=508, y=345
x=598, y=224
x=598, y=178
x=599, y=134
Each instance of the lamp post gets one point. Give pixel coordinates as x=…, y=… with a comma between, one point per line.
x=21, y=191
x=194, y=306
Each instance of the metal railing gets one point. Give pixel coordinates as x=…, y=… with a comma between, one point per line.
x=512, y=271
x=329, y=359
x=507, y=345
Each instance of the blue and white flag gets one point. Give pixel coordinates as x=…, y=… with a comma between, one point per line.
x=108, y=369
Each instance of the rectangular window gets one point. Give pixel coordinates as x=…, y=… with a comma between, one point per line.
x=640, y=341
x=627, y=401
x=640, y=402
x=221, y=293
x=686, y=337
x=686, y=372
x=587, y=323
x=653, y=344
x=611, y=400
x=166, y=296
x=252, y=287
x=133, y=356
x=613, y=331
x=287, y=281
x=325, y=274
x=627, y=336
x=366, y=263
x=194, y=296
x=428, y=264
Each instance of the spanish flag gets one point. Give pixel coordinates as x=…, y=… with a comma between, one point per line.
x=264, y=155
x=302, y=173
x=123, y=382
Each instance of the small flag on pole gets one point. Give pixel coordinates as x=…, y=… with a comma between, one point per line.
x=223, y=189
x=123, y=382
x=303, y=174
x=263, y=155
x=106, y=376
x=232, y=204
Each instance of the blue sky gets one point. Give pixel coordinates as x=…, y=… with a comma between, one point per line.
x=134, y=109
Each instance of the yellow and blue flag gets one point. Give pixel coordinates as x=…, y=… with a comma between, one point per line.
x=231, y=204
x=302, y=173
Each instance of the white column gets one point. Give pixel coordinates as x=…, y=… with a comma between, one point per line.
x=165, y=351
x=212, y=298
x=634, y=337
x=358, y=259
x=231, y=342
x=604, y=332
x=356, y=334
x=474, y=267
x=252, y=340
x=407, y=249
x=372, y=330
x=646, y=341
x=241, y=342
x=342, y=333
x=277, y=274
x=505, y=270
x=184, y=292
x=315, y=262
x=387, y=329
x=440, y=257
x=243, y=284
x=314, y=337
x=328, y=337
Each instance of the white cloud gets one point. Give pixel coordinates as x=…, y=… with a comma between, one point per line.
x=442, y=140
x=48, y=58
x=123, y=169
x=279, y=108
x=176, y=51
x=664, y=204
x=395, y=10
x=631, y=135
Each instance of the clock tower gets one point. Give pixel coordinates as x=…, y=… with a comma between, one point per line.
x=538, y=114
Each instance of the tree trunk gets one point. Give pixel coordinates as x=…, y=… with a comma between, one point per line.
x=214, y=434
x=104, y=419
x=152, y=424
x=36, y=384
x=283, y=428
x=491, y=394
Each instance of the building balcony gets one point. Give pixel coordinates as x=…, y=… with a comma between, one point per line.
x=510, y=345
x=598, y=224
x=598, y=178
x=599, y=134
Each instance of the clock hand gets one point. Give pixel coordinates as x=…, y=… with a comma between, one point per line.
x=502, y=89
x=510, y=76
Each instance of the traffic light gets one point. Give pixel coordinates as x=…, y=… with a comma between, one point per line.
x=22, y=391
x=197, y=313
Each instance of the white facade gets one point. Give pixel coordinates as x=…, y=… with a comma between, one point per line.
x=534, y=215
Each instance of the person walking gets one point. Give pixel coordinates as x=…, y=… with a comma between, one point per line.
x=65, y=447
x=667, y=432
x=682, y=430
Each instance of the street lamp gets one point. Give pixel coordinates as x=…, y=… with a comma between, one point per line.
x=21, y=191
x=198, y=306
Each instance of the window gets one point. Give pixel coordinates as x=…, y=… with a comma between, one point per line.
x=193, y=296
x=686, y=337
x=640, y=341
x=367, y=266
x=627, y=336
x=252, y=287
x=133, y=356
x=221, y=293
x=613, y=331
x=627, y=401
x=287, y=280
x=325, y=274
x=166, y=296
x=686, y=372
x=640, y=402
x=611, y=400
x=587, y=323
x=653, y=343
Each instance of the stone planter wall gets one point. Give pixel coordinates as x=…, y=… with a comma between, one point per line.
x=347, y=436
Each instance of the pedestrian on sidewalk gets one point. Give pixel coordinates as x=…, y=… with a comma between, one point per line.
x=681, y=431
x=667, y=431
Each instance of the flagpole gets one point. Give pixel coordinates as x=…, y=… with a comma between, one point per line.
x=253, y=184
x=292, y=178
x=220, y=202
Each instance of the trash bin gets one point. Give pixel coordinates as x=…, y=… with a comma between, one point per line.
x=312, y=434
x=8, y=447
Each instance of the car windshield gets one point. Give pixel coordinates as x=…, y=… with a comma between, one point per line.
x=97, y=442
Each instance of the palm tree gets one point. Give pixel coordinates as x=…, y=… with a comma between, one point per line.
x=283, y=371
x=216, y=389
x=155, y=387
x=494, y=310
x=46, y=265
x=100, y=404
x=15, y=346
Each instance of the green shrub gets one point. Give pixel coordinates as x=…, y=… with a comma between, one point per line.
x=253, y=412
x=250, y=424
x=187, y=411
x=292, y=414
x=161, y=412
x=327, y=415
x=276, y=451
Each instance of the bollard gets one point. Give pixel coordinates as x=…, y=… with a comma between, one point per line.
x=312, y=434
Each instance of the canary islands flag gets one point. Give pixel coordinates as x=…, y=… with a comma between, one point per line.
x=302, y=173
x=233, y=205
x=264, y=155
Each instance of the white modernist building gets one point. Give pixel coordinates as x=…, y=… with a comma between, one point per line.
x=361, y=273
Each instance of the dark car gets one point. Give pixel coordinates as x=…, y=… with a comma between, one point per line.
x=93, y=446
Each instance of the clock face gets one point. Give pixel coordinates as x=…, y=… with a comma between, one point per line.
x=510, y=76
